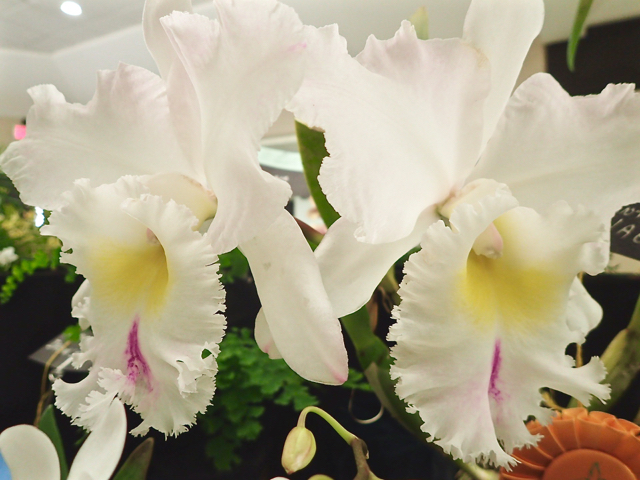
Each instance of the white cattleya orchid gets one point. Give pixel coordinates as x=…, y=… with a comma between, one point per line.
x=151, y=180
x=509, y=196
x=26, y=453
x=152, y=299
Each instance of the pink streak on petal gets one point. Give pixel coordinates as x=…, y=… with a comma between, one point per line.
x=298, y=47
x=136, y=364
x=494, y=391
x=340, y=377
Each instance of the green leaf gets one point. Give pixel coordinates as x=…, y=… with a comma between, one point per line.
x=233, y=266
x=136, y=466
x=578, y=25
x=246, y=380
x=49, y=426
x=622, y=362
x=26, y=267
x=375, y=360
x=313, y=151
x=72, y=333
x=420, y=21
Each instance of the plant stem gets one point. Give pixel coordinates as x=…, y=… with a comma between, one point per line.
x=346, y=435
x=622, y=360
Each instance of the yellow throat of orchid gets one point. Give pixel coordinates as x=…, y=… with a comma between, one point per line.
x=132, y=277
x=501, y=283
x=136, y=276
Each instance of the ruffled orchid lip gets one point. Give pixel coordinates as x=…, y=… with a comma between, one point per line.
x=497, y=317
x=152, y=299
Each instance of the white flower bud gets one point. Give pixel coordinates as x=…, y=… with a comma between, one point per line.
x=299, y=449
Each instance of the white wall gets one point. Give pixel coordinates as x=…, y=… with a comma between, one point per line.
x=73, y=70
x=77, y=66
x=19, y=71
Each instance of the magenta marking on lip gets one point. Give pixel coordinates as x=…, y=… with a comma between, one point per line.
x=136, y=364
x=297, y=47
x=494, y=391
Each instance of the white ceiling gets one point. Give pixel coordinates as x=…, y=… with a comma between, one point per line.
x=40, y=44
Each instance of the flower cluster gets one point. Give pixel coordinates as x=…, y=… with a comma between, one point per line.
x=508, y=196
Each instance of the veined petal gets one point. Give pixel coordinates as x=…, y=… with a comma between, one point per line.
x=503, y=30
x=304, y=327
x=29, y=454
x=101, y=451
x=264, y=339
x=181, y=94
x=550, y=146
x=124, y=129
x=155, y=37
x=351, y=270
x=402, y=124
x=469, y=325
x=153, y=310
x=254, y=56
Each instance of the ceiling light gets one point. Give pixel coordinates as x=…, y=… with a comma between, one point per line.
x=71, y=8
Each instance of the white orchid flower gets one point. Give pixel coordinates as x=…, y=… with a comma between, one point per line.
x=26, y=453
x=420, y=131
x=152, y=299
x=139, y=172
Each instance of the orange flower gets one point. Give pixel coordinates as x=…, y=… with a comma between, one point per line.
x=580, y=445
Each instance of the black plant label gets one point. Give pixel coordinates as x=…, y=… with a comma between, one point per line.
x=625, y=232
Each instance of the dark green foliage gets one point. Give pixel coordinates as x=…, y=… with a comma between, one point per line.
x=247, y=381
x=137, y=465
x=26, y=267
x=49, y=426
x=18, y=230
x=72, y=333
x=578, y=26
x=8, y=193
x=312, y=152
x=233, y=266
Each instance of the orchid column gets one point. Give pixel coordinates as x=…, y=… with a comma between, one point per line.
x=154, y=178
x=509, y=197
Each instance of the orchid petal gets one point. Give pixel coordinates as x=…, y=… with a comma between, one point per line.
x=264, y=339
x=254, y=56
x=101, y=451
x=351, y=270
x=155, y=37
x=583, y=312
x=124, y=129
x=503, y=30
x=401, y=129
x=153, y=310
x=550, y=146
x=181, y=94
x=305, y=330
x=29, y=454
x=469, y=325
x=80, y=304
